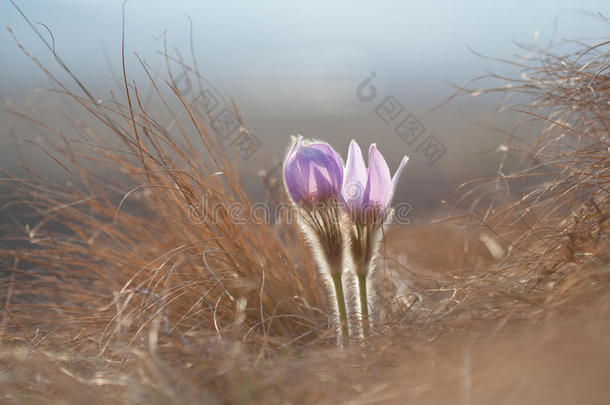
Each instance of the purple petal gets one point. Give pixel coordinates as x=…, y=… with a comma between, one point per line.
x=335, y=163
x=296, y=144
x=354, y=177
x=402, y=165
x=312, y=171
x=321, y=184
x=292, y=173
x=379, y=183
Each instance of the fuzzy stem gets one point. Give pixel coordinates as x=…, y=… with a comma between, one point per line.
x=338, y=283
x=364, y=304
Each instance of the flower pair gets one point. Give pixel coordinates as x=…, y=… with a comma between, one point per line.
x=314, y=173
x=341, y=209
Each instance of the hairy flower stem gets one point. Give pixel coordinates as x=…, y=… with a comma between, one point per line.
x=323, y=224
x=338, y=283
x=364, y=304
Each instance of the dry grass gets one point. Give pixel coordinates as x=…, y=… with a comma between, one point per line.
x=114, y=294
x=562, y=172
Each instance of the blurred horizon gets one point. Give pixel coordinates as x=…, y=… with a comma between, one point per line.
x=295, y=69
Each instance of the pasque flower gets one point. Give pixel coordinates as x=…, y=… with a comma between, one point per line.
x=341, y=210
x=367, y=194
x=313, y=176
x=313, y=172
x=368, y=191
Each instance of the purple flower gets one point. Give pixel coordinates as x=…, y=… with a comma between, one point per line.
x=313, y=172
x=368, y=189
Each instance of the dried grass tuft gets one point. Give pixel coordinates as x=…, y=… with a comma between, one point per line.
x=555, y=164
x=118, y=292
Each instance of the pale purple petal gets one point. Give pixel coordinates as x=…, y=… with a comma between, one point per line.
x=379, y=183
x=354, y=177
x=331, y=153
x=332, y=163
x=321, y=184
x=313, y=172
x=292, y=173
x=402, y=165
x=297, y=142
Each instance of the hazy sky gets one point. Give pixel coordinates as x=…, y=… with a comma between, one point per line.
x=293, y=67
x=249, y=41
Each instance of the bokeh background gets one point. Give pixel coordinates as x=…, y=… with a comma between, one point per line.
x=294, y=67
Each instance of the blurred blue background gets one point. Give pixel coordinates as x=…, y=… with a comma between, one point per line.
x=293, y=67
x=244, y=42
